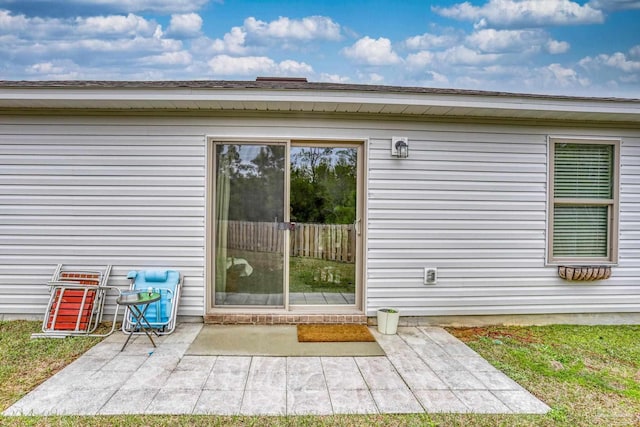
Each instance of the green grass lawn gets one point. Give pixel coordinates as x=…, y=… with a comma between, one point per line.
x=306, y=274
x=27, y=363
x=588, y=375
x=317, y=275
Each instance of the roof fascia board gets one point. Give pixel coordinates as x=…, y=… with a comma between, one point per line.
x=163, y=98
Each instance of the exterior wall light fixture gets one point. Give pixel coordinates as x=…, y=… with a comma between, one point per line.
x=400, y=147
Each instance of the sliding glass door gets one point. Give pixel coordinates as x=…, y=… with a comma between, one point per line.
x=285, y=223
x=249, y=217
x=323, y=206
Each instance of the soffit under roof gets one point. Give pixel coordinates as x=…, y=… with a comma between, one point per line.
x=308, y=97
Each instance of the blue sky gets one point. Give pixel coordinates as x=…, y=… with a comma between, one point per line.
x=563, y=47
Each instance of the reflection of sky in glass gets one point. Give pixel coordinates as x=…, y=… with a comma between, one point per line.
x=247, y=154
x=331, y=157
x=299, y=155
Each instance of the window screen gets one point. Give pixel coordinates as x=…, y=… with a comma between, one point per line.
x=583, y=201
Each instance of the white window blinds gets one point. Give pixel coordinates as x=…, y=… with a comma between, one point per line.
x=583, y=171
x=583, y=201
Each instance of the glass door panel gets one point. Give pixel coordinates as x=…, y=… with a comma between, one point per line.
x=249, y=224
x=323, y=212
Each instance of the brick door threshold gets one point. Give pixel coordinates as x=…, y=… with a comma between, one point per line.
x=283, y=319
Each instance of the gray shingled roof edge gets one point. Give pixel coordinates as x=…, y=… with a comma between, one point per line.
x=280, y=85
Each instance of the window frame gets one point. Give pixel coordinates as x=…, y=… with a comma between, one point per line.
x=613, y=204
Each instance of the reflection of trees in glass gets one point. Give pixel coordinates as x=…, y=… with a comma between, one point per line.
x=256, y=181
x=323, y=185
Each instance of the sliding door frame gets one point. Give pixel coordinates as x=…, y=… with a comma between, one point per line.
x=361, y=224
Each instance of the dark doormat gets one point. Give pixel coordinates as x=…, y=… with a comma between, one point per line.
x=334, y=333
x=271, y=340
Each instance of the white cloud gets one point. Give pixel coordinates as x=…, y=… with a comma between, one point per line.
x=518, y=78
x=122, y=47
x=10, y=23
x=48, y=30
x=290, y=67
x=334, y=78
x=129, y=25
x=54, y=70
x=549, y=79
x=45, y=68
x=168, y=58
x=112, y=46
x=309, y=28
x=617, y=61
x=248, y=65
x=509, y=13
x=556, y=75
x=32, y=28
x=376, y=78
x=515, y=41
x=225, y=65
x=233, y=42
x=494, y=41
x=430, y=41
x=491, y=59
x=119, y=41
x=370, y=78
x=468, y=82
x=555, y=47
x=615, y=4
x=462, y=55
x=286, y=33
x=372, y=52
x=420, y=60
x=185, y=25
x=437, y=79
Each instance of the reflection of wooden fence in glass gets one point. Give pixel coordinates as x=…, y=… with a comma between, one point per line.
x=333, y=242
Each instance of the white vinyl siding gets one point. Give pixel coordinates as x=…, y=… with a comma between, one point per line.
x=96, y=195
x=471, y=200
x=583, y=201
x=471, y=205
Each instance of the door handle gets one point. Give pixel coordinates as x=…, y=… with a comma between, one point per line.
x=358, y=223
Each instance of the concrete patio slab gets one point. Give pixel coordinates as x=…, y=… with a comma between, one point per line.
x=219, y=402
x=425, y=370
x=352, y=401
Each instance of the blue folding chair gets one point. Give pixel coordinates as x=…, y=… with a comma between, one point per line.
x=161, y=315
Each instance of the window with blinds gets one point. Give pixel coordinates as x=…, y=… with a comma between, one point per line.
x=583, y=200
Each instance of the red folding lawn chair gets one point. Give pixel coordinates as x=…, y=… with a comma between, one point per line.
x=77, y=302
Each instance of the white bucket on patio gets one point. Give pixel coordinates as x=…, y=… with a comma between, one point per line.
x=388, y=320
